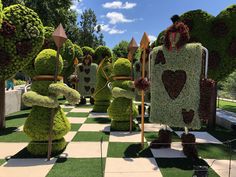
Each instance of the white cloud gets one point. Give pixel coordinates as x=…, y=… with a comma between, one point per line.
x=116, y=17
x=152, y=38
x=77, y=6
x=111, y=30
x=119, y=5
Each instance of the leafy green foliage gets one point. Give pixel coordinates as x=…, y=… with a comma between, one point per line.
x=100, y=53
x=229, y=85
x=43, y=99
x=89, y=32
x=119, y=109
x=88, y=51
x=217, y=34
x=102, y=95
x=19, y=44
x=78, y=52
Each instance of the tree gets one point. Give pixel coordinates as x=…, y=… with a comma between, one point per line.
x=18, y=47
x=121, y=49
x=89, y=32
x=52, y=13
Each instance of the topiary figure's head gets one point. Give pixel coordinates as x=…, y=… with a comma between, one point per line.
x=122, y=67
x=101, y=52
x=45, y=62
x=21, y=38
x=88, y=51
x=48, y=41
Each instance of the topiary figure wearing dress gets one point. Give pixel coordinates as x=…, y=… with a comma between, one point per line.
x=122, y=92
x=176, y=71
x=102, y=94
x=43, y=99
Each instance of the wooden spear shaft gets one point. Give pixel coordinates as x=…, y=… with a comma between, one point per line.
x=130, y=57
x=142, y=94
x=53, y=110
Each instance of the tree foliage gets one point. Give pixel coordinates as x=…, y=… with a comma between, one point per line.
x=89, y=32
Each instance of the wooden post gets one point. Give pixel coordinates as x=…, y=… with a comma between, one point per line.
x=132, y=48
x=59, y=37
x=144, y=44
x=2, y=104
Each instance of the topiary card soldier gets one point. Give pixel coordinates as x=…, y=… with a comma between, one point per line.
x=176, y=71
x=43, y=98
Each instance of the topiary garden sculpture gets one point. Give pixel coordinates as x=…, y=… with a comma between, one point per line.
x=43, y=99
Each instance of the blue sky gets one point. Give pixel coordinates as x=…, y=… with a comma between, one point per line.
x=124, y=19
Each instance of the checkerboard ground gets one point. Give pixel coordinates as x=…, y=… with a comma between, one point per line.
x=122, y=154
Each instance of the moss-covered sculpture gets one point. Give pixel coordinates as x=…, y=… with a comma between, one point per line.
x=43, y=99
x=88, y=51
x=101, y=52
x=21, y=37
x=102, y=95
x=86, y=75
x=48, y=44
x=119, y=109
x=175, y=84
x=78, y=52
x=218, y=35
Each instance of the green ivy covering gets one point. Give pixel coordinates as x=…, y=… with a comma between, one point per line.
x=43, y=99
x=78, y=52
x=102, y=95
x=1, y=14
x=167, y=107
x=100, y=53
x=21, y=38
x=119, y=109
x=218, y=35
x=88, y=51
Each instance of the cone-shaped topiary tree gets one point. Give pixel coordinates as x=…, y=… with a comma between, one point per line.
x=101, y=52
x=21, y=38
x=43, y=99
x=119, y=109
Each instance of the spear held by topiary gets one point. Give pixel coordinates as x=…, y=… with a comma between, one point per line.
x=144, y=44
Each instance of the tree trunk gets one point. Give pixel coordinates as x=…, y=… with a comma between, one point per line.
x=2, y=104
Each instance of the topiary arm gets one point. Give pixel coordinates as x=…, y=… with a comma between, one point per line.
x=72, y=96
x=119, y=92
x=32, y=98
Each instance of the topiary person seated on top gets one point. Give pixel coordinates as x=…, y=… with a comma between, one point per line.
x=43, y=99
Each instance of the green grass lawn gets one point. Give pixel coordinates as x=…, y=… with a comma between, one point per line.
x=91, y=136
x=227, y=105
x=181, y=167
x=77, y=168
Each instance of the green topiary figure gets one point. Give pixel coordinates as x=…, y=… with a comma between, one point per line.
x=88, y=51
x=21, y=38
x=86, y=75
x=102, y=95
x=43, y=99
x=78, y=52
x=119, y=109
x=100, y=53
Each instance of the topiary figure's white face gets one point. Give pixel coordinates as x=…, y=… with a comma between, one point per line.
x=21, y=38
x=174, y=38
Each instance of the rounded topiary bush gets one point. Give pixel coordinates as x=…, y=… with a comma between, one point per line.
x=78, y=52
x=47, y=58
x=88, y=51
x=100, y=53
x=21, y=38
x=43, y=99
